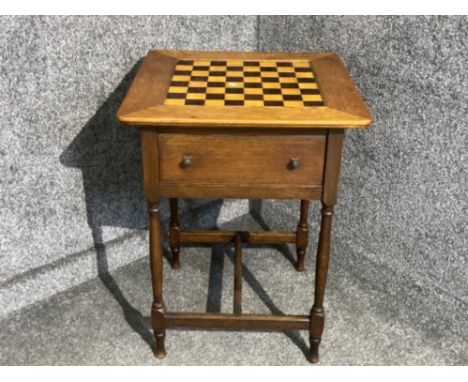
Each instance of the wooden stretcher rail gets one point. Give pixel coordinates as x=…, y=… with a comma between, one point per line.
x=234, y=321
x=254, y=237
x=238, y=276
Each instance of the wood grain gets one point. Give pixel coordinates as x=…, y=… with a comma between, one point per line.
x=239, y=159
x=234, y=321
x=238, y=191
x=302, y=235
x=251, y=237
x=150, y=162
x=237, y=303
x=241, y=152
x=330, y=192
x=174, y=233
x=158, y=308
x=144, y=103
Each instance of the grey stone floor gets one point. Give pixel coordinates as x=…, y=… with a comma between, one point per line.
x=105, y=321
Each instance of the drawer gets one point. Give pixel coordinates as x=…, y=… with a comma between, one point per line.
x=241, y=159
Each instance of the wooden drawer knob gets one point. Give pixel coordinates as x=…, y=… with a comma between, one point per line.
x=186, y=161
x=294, y=163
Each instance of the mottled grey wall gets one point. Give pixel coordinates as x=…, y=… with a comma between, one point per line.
x=70, y=185
x=401, y=221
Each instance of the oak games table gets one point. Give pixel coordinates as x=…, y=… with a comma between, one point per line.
x=247, y=126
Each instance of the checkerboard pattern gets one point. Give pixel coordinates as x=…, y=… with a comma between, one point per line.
x=261, y=83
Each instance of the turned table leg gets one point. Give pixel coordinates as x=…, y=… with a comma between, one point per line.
x=329, y=197
x=302, y=235
x=317, y=314
x=174, y=233
x=158, y=309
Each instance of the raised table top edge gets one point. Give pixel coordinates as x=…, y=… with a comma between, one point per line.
x=143, y=104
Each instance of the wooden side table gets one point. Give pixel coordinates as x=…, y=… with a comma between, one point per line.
x=241, y=125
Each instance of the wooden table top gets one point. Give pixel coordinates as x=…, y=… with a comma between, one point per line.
x=243, y=89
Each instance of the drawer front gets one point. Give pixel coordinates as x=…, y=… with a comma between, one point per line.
x=242, y=159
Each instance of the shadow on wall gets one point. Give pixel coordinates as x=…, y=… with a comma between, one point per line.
x=109, y=157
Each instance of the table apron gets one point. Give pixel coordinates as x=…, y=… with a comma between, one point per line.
x=229, y=191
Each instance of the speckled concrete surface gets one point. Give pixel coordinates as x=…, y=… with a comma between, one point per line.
x=71, y=175
x=402, y=215
x=105, y=322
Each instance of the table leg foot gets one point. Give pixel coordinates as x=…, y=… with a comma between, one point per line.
x=160, y=351
x=300, y=260
x=175, y=261
x=158, y=313
x=314, y=350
